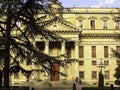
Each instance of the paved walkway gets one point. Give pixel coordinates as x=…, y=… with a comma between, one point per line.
x=46, y=85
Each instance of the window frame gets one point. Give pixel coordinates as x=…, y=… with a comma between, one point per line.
x=81, y=51
x=106, y=52
x=94, y=74
x=93, y=50
x=80, y=23
x=81, y=74
x=92, y=24
x=105, y=24
x=107, y=75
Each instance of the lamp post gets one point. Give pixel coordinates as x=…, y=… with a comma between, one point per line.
x=101, y=65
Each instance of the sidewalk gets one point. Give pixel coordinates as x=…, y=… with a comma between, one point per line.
x=44, y=85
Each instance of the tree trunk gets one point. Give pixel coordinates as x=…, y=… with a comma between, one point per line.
x=0, y=78
x=7, y=50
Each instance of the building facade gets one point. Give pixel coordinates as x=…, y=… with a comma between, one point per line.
x=90, y=35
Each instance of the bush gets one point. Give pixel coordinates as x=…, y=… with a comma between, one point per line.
x=117, y=82
x=101, y=80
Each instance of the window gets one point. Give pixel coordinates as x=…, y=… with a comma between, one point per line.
x=94, y=74
x=106, y=62
x=81, y=63
x=104, y=24
x=81, y=74
x=81, y=52
x=106, y=74
x=106, y=51
x=117, y=24
x=118, y=49
x=93, y=51
x=92, y=24
x=94, y=63
x=80, y=23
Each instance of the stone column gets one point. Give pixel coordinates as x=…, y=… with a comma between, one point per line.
x=63, y=48
x=47, y=47
x=77, y=50
x=63, y=52
x=76, y=64
x=46, y=52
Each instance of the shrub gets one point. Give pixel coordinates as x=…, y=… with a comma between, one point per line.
x=101, y=80
x=117, y=82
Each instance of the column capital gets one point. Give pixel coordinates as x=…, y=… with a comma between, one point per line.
x=46, y=42
x=76, y=42
x=63, y=43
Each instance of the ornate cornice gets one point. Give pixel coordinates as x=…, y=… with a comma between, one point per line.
x=77, y=10
x=67, y=31
x=80, y=17
x=89, y=35
x=98, y=43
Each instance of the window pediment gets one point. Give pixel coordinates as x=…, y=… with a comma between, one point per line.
x=104, y=18
x=80, y=18
x=92, y=18
x=116, y=18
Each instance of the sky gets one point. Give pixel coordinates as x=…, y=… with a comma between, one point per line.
x=91, y=3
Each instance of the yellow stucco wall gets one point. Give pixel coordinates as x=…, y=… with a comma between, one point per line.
x=98, y=37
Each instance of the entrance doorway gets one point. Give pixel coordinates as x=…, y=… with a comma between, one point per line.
x=55, y=76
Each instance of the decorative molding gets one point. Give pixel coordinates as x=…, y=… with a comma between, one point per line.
x=80, y=18
x=99, y=43
x=116, y=18
x=92, y=17
x=67, y=23
x=89, y=35
x=67, y=31
x=90, y=11
x=105, y=18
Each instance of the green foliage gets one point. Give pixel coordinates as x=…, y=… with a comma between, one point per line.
x=101, y=80
x=117, y=82
x=117, y=75
x=117, y=72
x=20, y=24
x=116, y=54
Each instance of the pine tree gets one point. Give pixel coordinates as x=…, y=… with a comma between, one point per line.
x=117, y=75
x=101, y=80
x=21, y=21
